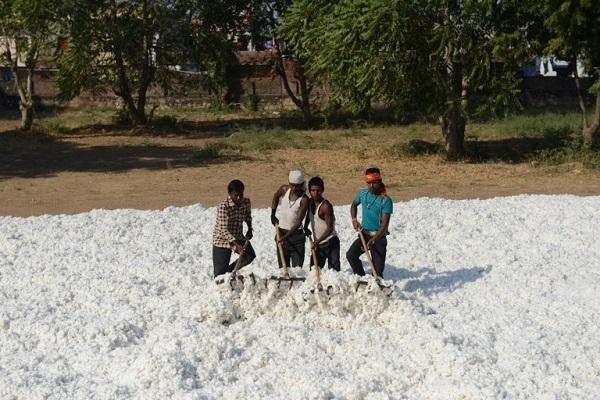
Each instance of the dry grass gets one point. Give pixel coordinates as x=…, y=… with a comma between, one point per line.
x=541, y=137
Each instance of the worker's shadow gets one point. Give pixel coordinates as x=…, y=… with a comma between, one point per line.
x=428, y=281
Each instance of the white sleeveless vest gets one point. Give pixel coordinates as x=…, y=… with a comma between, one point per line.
x=288, y=210
x=319, y=225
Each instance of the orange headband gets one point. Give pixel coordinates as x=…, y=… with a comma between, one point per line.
x=372, y=177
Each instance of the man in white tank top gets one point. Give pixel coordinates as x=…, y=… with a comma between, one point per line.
x=320, y=215
x=292, y=203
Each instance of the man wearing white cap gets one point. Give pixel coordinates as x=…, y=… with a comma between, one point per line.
x=292, y=202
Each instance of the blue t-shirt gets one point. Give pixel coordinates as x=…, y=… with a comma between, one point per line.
x=373, y=208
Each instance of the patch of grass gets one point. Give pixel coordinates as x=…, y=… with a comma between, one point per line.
x=354, y=131
x=527, y=125
x=570, y=152
x=416, y=147
x=361, y=153
x=151, y=143
x=121, y=118
x=55, y=128
x=326, y=141
x=261, y=138
x=166, y=121
x=209, y=152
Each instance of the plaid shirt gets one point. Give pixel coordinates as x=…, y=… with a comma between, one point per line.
x=230, y=217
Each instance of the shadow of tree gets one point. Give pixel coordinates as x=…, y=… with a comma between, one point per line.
x=185, y=129
x=44, y=156
x=514, y=150
x=428, y=281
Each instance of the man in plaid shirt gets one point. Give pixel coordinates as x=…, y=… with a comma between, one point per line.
x=227, y=234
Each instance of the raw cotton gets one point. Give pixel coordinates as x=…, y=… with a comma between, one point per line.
x=492, y=299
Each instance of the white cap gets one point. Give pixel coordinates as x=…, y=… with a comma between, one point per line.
x=296, y=177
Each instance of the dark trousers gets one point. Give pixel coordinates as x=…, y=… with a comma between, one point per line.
x=330, y=252
x=293, y=248
x=377, y=253
x=222, y=255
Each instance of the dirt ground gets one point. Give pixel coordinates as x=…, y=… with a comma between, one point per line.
x=83, y=172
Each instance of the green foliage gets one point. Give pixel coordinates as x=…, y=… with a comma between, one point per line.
x=415, y=55
x=121, y=117
x=574, y=26
x=31, y=24
x=29, y=31
x=127, y=46
x=535, y=125
x=416, y=147
x=570, y=151
x=424, y=58
x=260, y=138
x=210, y=152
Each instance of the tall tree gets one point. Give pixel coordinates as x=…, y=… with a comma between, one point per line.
x=574, y=27
x=126, y=45
x=446, y=58
x=266, y=20
x=28, y=28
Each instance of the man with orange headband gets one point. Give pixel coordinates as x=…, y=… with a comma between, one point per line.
x=377, y=207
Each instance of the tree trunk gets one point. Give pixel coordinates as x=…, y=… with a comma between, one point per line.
x=25, y=100
x=453, y=130
x=303, y=103
x=588, y=132
x=25, y=89
x=137, y=114
x=591, y=134
x=123, y=89
x=305, y=94
x=26, y=116
x=147, y=69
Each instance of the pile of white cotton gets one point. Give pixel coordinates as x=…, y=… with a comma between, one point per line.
x=492, y=299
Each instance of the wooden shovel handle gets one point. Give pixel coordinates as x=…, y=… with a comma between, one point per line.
x=368, y=253
x=280, y=251
x=315, y=261
x=238, y=263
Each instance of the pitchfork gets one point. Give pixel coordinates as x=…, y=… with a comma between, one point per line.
x=371, y=264
x=286, y=275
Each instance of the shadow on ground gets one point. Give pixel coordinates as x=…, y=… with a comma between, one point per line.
x=166, y=127
x=428, y=281
x=510, y=150
x=513, y=150
x=43, y=156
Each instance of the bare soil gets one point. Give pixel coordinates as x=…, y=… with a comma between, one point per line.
x=85, y=171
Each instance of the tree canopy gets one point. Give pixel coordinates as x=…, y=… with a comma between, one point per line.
x=449, y=59
x=574, y=28
x=28, y=28
x=128, y=45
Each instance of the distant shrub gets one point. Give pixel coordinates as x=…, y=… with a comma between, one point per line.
x=121, y=117
x=209, y=152
x=416, y=147
x=165, y=122
x=262, y=138
x=570, y=151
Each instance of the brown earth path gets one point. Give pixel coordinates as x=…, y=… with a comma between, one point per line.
x=78, y=174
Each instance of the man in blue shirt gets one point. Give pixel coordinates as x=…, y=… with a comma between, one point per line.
x=377, y=207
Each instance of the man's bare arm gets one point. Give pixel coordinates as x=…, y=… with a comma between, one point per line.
x=353, y=213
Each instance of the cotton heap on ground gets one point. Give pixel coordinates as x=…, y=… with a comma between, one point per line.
x=493, y=299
